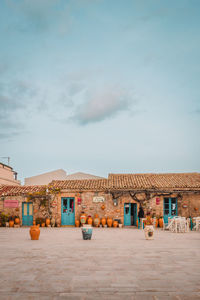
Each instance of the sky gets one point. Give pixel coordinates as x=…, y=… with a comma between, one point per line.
x=100, y=86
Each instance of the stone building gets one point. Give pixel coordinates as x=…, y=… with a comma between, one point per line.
x=118, y=197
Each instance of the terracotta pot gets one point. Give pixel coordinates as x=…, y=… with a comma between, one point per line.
x=83, y=219
x=17, y=221
x=96, y=221
x=102, y=206
x=34, y=223
x=77, y=223
x=43, y=225
x=34, y=232
x=103, y=221
x=48, y=222
x=115, y=224
x=156, y=223
x=160, y=222
x=89, y=220
x=137, y=222
x=11, y=223
x=109, y=222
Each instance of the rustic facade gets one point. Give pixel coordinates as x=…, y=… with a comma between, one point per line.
x=118, y=197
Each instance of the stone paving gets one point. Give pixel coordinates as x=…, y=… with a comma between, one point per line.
x=115, y=264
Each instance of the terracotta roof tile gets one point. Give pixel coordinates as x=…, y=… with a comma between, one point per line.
x=174, y=181
x=8, y=190
x=86, y=184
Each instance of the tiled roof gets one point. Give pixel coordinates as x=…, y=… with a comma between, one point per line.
x=86, y=184
x=8, y=190
x=166, y=181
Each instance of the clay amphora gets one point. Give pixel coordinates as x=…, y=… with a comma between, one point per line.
x=17, y=221
x=96, y=220
x=103, y=221
x=77, y=223
x=160, y=222
x=115, y=224
x=109, y=222
x=48, y=222
x=34, y=232
x=43, y=225
x=83, y=218
x=89, y=220
x=34, y=223
x=11, y=223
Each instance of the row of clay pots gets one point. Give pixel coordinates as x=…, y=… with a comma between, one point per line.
x=46, y=223
x=96, y=222
x=16, y=222
x=158, y=222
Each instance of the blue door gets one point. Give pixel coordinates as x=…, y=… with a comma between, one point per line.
x=127, y=214
x=27, y=213
x=67, y=211
x=170, y=208
x=134, y=214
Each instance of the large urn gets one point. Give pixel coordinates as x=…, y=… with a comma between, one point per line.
x=48, y=222
x=115, y=224
x=103, y=221
x=87, y=232
x=149, y=231
x=96, y=220
x=109, y=222
x=89, y=220
x=34, y=232
x=83, y=219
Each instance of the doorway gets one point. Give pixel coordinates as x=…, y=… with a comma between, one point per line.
x=130, y=214
x=27, y=213
x=170, y=208
x=67, y=211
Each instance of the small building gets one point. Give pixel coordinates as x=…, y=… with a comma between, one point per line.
x=118, y=197
x=8, y=176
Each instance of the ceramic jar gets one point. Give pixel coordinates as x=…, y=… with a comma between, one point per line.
x=17, y=221
x=34, y=223
x=115, y=224
x=89, y=220
x=83, y=218
x=96, y=220
x=11, y=223
x=48, y=222
x=87, y=232
x=160, y=222
x=103, y=221
x=77, y=223
x=34, y=232
x=109, y=222
x=43, y=225
x=149, y=231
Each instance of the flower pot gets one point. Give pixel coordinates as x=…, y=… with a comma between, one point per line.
x=156, y=223
x=11, y=223
x=149, y=231
x=89, y=220
x=87, y=232
x=83, y=219
x=160, y=222
x=43, y=225
x=48, y=222
x=103, y=221
x=17, y=221
x=115, y=224
x=34, y=223
x=109, y=222
x=34, y=232
x=77, y=223
x=96, y=220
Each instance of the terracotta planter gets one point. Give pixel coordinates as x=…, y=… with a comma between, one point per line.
x=48, y=222
x=103, y=221
x=43, y=225
x=115, y=224
x=109, y=222
x=34, y=232
x=17, y=221
x=160, y=222
x=89, y=221
x=83, y=219
x=11, y=223
x=34, y=223
x=156, y=223
x=96, y=220
x=77, y=223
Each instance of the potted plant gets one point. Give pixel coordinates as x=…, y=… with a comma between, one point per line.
x=4, y=219
x=148, y=231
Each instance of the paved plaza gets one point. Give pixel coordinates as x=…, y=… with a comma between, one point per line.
x=115, y=264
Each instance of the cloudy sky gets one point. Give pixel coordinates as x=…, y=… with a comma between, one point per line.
x=100, y=86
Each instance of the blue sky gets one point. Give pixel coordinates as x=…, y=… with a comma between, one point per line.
x=100, y=86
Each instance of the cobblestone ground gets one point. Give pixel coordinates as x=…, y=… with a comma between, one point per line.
x=115, y=264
